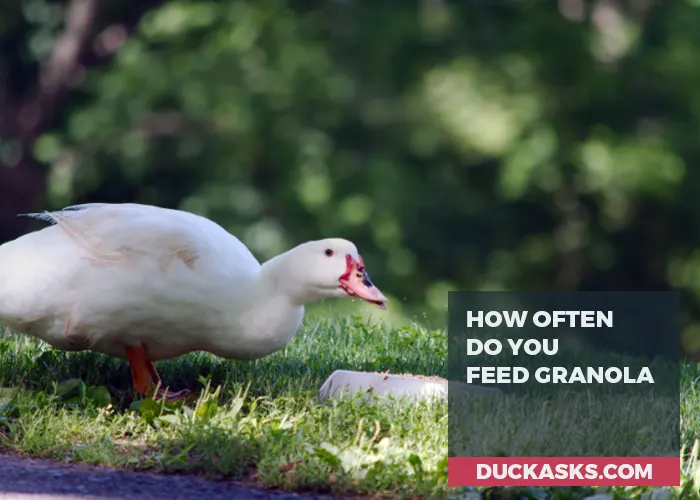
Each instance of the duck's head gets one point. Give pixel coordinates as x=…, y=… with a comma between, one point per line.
x=332, y=268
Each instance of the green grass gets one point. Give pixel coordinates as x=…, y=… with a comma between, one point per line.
x=260, y=422
x=257, y=422
x=566, y=423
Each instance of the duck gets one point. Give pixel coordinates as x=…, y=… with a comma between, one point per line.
x=145, y=284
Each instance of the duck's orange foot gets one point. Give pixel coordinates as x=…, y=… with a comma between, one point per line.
x=182, y=395
x=146, y=378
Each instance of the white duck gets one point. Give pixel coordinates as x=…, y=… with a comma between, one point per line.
x=146, y=283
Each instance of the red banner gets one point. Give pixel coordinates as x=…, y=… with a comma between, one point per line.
x=564, y=471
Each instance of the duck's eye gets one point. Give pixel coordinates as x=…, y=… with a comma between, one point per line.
x=329, y=252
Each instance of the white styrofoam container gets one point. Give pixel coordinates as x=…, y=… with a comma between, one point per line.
x=346, y=382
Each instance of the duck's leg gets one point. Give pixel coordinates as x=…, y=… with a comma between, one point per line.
x=139, y=368
x=144, y=372
x=170, y=396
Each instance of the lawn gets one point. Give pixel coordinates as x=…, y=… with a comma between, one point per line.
x=259, y=422
x=256, y=422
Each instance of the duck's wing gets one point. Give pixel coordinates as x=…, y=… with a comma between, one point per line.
x=117, y=234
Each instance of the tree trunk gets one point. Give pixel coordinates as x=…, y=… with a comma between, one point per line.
x=22, y=187
x=25, y=117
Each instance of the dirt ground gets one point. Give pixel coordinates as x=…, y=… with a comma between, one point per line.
x=34, y=479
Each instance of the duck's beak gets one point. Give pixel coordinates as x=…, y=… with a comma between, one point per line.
x=356, y=283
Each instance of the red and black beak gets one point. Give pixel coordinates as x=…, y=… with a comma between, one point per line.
x=356, y=283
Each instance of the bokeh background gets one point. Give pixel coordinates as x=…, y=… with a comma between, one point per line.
x=472, y=144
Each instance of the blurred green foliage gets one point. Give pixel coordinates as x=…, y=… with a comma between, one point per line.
x=504, y=144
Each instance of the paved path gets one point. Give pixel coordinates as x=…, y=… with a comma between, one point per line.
x=35, y=479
